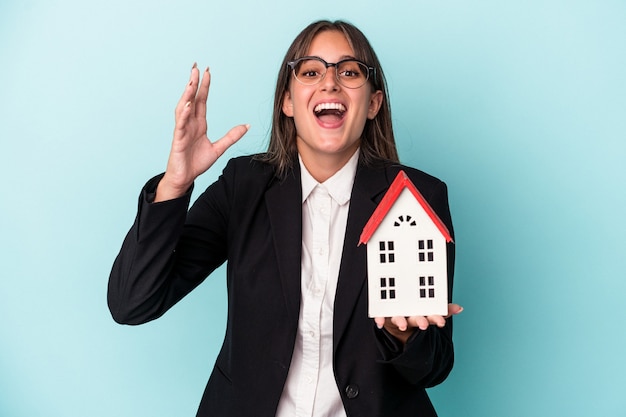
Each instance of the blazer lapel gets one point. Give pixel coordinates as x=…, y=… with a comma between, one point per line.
x=369, y=185
x=284, y=205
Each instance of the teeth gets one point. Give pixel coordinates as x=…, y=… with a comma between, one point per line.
x=329, y=106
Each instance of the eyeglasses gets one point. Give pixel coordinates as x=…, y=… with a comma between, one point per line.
x=350, y=73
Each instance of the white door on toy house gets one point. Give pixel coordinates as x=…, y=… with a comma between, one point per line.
x=406, y=255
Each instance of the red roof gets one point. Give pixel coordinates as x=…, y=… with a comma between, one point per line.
x=401, y=182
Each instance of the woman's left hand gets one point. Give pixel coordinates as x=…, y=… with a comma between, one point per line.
x=403, y=327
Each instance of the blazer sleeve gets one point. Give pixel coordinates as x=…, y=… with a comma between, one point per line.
x=167, y=252
x=428, y=356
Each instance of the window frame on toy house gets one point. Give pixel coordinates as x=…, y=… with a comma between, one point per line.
x=387, y=284
x=405, y=218
x=425, y=286
x=386, y=251
x=425, y=250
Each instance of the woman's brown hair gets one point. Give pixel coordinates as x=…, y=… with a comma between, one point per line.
x=377, y=140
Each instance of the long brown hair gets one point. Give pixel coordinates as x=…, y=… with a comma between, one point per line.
x=377, y=140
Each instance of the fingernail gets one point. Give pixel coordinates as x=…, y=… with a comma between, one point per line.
x=195, y=65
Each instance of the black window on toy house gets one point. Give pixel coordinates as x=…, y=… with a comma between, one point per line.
x=387, y=288
x=427, y=287
x=406, y=219
x=387, y=254
x=425, y=251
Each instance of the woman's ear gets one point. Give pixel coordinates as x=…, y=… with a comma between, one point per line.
x=376, y=100
x=287, y=104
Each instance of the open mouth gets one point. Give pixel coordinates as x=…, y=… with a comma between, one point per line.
x=330, y=112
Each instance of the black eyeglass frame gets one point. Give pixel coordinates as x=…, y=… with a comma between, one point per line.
x=370, y=70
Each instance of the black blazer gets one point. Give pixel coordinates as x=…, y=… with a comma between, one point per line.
x=251, y=219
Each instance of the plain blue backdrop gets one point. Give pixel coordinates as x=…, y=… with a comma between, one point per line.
x=519, y=106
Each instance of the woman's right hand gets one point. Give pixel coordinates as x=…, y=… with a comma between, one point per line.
x=192, y=151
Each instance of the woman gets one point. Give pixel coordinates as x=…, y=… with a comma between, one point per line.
x=298, y=339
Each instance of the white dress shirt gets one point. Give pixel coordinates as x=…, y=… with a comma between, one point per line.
x=311, y=389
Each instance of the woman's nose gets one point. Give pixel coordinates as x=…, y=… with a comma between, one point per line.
x=330, y=81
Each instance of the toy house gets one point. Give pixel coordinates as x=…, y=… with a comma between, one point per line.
x=406, y=255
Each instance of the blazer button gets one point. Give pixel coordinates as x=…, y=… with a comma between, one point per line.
x=352, y=391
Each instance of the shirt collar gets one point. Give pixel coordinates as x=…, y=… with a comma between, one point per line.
x=339, y=186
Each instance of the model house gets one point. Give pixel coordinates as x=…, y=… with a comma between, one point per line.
x=406, y=255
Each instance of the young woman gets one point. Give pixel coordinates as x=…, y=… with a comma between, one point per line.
x=298, y=340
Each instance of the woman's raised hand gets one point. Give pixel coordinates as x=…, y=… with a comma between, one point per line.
x=192, y=152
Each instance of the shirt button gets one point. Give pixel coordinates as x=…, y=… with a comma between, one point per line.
x=352, y=391
x=312, y=333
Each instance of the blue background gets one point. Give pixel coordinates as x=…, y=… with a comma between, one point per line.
x=519, y=106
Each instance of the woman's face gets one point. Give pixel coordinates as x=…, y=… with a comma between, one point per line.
x=329, y=118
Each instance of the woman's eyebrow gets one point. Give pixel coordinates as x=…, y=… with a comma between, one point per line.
x=341, y=58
